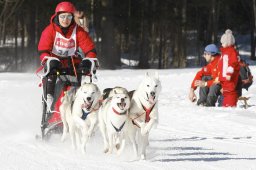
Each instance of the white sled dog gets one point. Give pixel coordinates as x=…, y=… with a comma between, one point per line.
x=79, y=114
x=144, y=110
x=113, y=118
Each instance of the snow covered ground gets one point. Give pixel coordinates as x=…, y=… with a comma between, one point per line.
x=188, y=136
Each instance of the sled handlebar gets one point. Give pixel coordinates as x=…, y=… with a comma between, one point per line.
x=65, y=71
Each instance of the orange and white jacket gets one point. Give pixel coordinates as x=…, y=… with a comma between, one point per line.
x=209, y=70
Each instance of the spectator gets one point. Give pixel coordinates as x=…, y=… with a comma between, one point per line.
x=81, y=20
x=228, y=68
x=245, y=78
x=209, y=90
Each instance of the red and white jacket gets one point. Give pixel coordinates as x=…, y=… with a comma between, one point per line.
x=209, y=70
x=229, y=66
x=82, y=39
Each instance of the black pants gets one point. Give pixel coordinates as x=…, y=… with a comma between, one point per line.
x=51, y=82
x=51, y=79
x=208, y=95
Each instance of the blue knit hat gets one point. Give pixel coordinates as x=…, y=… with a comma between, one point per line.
x=211, y=49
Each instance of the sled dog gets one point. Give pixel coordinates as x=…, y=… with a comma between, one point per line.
x=113, y=117
x=144, y=110
x=79, y=114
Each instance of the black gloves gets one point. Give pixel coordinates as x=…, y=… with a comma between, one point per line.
x=52, y=64
x=85, y=66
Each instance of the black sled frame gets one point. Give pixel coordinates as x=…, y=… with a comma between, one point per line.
x=62, y=75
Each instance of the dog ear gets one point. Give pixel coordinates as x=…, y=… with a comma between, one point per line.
x=115, y=92
x=147, y=74
x=156, y=75
x=98, y=90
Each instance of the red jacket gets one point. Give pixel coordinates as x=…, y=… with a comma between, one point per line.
x=48, y=36
x=209, y=70
x=229, y=63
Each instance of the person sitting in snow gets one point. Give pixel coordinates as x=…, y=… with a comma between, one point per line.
x=228, y=68
x=209, y=89
x=59, y=43
x=245, y=79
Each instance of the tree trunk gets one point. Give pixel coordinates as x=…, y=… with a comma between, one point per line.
x=22, y=34
x=144, y=35
x=160, y=48
x=176, y=55
x=16, y=58
x=254, y=12
x=31, y=34
x=183, y=48
x=109, y=53
x=253, y=31
x=214, y=21
x=252, y=42
x=198, y=42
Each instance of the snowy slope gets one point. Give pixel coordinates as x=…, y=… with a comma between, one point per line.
x=188, y=136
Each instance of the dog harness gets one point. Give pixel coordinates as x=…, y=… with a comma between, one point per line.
x=147, y=118
x=118, y=129
x=121, y=127
x=84, y=115
x=148, y=111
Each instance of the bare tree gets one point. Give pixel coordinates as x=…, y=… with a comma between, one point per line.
x=8, y=9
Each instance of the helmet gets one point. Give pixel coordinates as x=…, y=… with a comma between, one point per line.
x=65, y=7
x=212, y=49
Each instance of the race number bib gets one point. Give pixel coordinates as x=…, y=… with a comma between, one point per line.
x=64, y=47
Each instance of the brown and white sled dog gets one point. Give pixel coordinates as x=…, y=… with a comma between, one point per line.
x=113, y=118
x=144, y=110
x=79, y=114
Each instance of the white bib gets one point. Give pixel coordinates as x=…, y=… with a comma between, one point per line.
x=64, y=47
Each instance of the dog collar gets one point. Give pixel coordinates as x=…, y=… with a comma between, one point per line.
x=116, y=112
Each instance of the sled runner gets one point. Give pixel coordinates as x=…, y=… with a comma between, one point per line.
x=245, y=100
x=67, y=78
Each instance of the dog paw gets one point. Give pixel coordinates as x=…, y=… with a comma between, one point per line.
x=63, y=138
x=83, y=151
x=105, y=150
x=110, y=151
x=118, y=152
x=143, y=131
x=89, y=134
x=118, y=146
x=143, y=157
x=73, y=147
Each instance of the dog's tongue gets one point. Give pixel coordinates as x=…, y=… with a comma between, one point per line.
x=151, y=99
x=86, y=105
x=121, y=106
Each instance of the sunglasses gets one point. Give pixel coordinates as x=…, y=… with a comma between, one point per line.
x=69, y=17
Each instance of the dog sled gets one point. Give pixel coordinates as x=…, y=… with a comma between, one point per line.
x=68, y=78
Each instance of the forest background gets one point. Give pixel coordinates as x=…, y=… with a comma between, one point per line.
x=131, y=33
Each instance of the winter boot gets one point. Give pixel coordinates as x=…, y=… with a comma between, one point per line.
x=49, y=101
